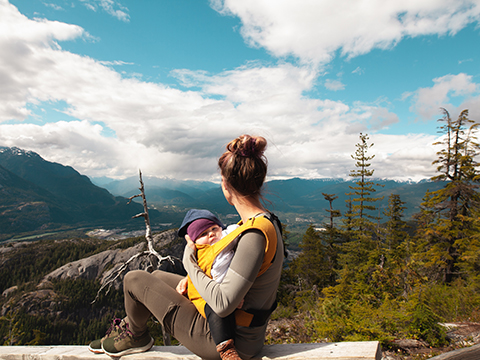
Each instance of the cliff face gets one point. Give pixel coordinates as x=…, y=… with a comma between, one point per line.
x=102, y=266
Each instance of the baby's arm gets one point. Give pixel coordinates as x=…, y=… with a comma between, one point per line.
x=182, y=286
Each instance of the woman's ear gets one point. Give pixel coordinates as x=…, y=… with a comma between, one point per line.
x=226, y=191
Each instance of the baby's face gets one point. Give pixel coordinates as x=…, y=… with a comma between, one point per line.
x=209, y=236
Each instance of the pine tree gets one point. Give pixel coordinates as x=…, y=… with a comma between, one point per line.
x=395, y=226
x=310, y=266
x=361, y=254
x=363, y=202
x=449, y=216
x=332, y=213
x=316, y=265
x=397, y=249
x=333, y=238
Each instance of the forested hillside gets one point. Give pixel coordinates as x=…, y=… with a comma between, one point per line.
x=38, y=196
x=50, y=298
x=362, y=280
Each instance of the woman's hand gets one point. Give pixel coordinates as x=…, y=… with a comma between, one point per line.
x=182, y=286
x=190, y=242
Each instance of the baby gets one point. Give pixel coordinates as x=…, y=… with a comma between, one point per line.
x=204, y=228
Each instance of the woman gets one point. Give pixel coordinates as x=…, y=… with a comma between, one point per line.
x=243, y=168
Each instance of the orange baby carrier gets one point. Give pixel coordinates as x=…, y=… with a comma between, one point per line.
x=207, y=253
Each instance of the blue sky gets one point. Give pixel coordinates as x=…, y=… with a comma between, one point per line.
x=109, y=86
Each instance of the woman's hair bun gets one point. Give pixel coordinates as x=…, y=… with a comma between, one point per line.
x=248, y=146
x=244, y=166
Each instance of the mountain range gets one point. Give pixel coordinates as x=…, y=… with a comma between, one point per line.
x=38, y=195
x=294, y=198
x=41, y=196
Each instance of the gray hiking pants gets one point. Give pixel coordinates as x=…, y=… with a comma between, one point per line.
x=148, y=294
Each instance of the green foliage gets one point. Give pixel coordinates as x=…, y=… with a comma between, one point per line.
x=73, y=320
x=312, y=266
x=283, y=312
x=449, y=216
x=424, y=324
x=31, y=261
x=127, y=243
x=389, y=284
x=363, y=204
x=340, y=320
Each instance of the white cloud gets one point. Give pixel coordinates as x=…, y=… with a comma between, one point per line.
x=464, y=61
x=115, y=62
x=111, y=7
x=169, y=132
x=358, y=71
x=427, y=101
x=313, y=30
x=54, y=6
x=334, y=85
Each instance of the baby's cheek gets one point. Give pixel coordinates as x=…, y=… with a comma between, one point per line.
x=202, y=240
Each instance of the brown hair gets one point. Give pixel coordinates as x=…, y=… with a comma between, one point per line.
x=244, y=166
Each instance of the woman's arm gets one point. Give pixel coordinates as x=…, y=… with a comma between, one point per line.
x=224, y=297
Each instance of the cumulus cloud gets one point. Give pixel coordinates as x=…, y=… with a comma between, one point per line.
x=114, y=125
x=427, y=101
x=313, y=31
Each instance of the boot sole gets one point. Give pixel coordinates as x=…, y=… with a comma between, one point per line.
x=131, y=350
x=95, y=351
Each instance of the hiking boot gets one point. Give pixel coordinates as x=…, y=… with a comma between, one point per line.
x=227, y=350
x=127, y=343
x=115, y=329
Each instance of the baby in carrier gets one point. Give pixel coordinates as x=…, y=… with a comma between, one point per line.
x=204, y=228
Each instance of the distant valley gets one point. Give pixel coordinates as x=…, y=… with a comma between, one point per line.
x=40, y=196
x=293, y=198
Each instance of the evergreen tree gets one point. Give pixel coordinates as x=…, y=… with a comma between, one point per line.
x=316, y=265
x=361, y=254
x=449, y=216
x=333, y=238
x=311, y=267
x=363, y=202
x=332, y=213
x=395, y=226
x=397, y=249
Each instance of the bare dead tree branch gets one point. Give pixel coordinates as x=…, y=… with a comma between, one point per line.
x=150, y=253
x=148, y=229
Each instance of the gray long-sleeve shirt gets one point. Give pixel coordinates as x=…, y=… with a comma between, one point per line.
x=241, y=282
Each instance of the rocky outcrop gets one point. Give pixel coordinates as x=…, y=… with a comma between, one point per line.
x=93, y=267
x=101, y=266
x=44, y=300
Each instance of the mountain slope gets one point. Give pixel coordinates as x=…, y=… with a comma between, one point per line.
x=294, y=196
x=62, y=181
x=40, y=195
x=25, y=206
